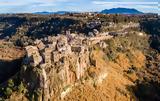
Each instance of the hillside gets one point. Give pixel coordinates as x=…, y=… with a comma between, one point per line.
x=120, y=11
x=48, y=13
x=85, y=57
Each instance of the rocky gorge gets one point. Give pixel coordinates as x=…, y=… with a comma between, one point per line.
x=107, y=61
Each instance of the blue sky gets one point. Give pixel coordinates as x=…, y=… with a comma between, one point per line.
x=28, y=6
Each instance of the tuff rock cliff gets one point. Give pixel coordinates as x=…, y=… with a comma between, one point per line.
x=55, y=65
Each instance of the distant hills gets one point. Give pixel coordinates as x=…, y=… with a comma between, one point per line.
x=58, y=12
x=106, y=11
x=44, y=13
x=120, y=11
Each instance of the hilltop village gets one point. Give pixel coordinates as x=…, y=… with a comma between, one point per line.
x=79, y=57
x=67, y=55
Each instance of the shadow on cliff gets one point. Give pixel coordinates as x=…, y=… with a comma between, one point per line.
x=53, y=26
x=146, y=91
x=11, y=25
x=9, y=68
x=152, y=27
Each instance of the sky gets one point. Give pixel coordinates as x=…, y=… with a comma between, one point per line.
x=30, y=6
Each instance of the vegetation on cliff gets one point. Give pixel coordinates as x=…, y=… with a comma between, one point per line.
x=132, y=60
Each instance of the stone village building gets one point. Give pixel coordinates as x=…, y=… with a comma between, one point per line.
x=60, y=62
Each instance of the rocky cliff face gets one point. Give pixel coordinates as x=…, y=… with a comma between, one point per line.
x=10, y=60
x=73, y=67
x=53, y=66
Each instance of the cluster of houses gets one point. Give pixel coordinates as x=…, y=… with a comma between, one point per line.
x=62, y=54
x=66, y=56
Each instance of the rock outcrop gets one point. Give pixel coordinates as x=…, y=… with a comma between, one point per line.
x=52, y=66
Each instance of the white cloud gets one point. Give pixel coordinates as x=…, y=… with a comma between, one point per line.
x=145, y=5
x=142, y=6
x=11, y=3
x=26, y=2
x=134, y=3
x=74, y=5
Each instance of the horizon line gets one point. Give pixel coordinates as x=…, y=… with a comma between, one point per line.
x=74, y=11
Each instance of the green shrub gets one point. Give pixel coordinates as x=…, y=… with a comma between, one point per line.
x=21, y=88
x=10, y=83
x=8, y=91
